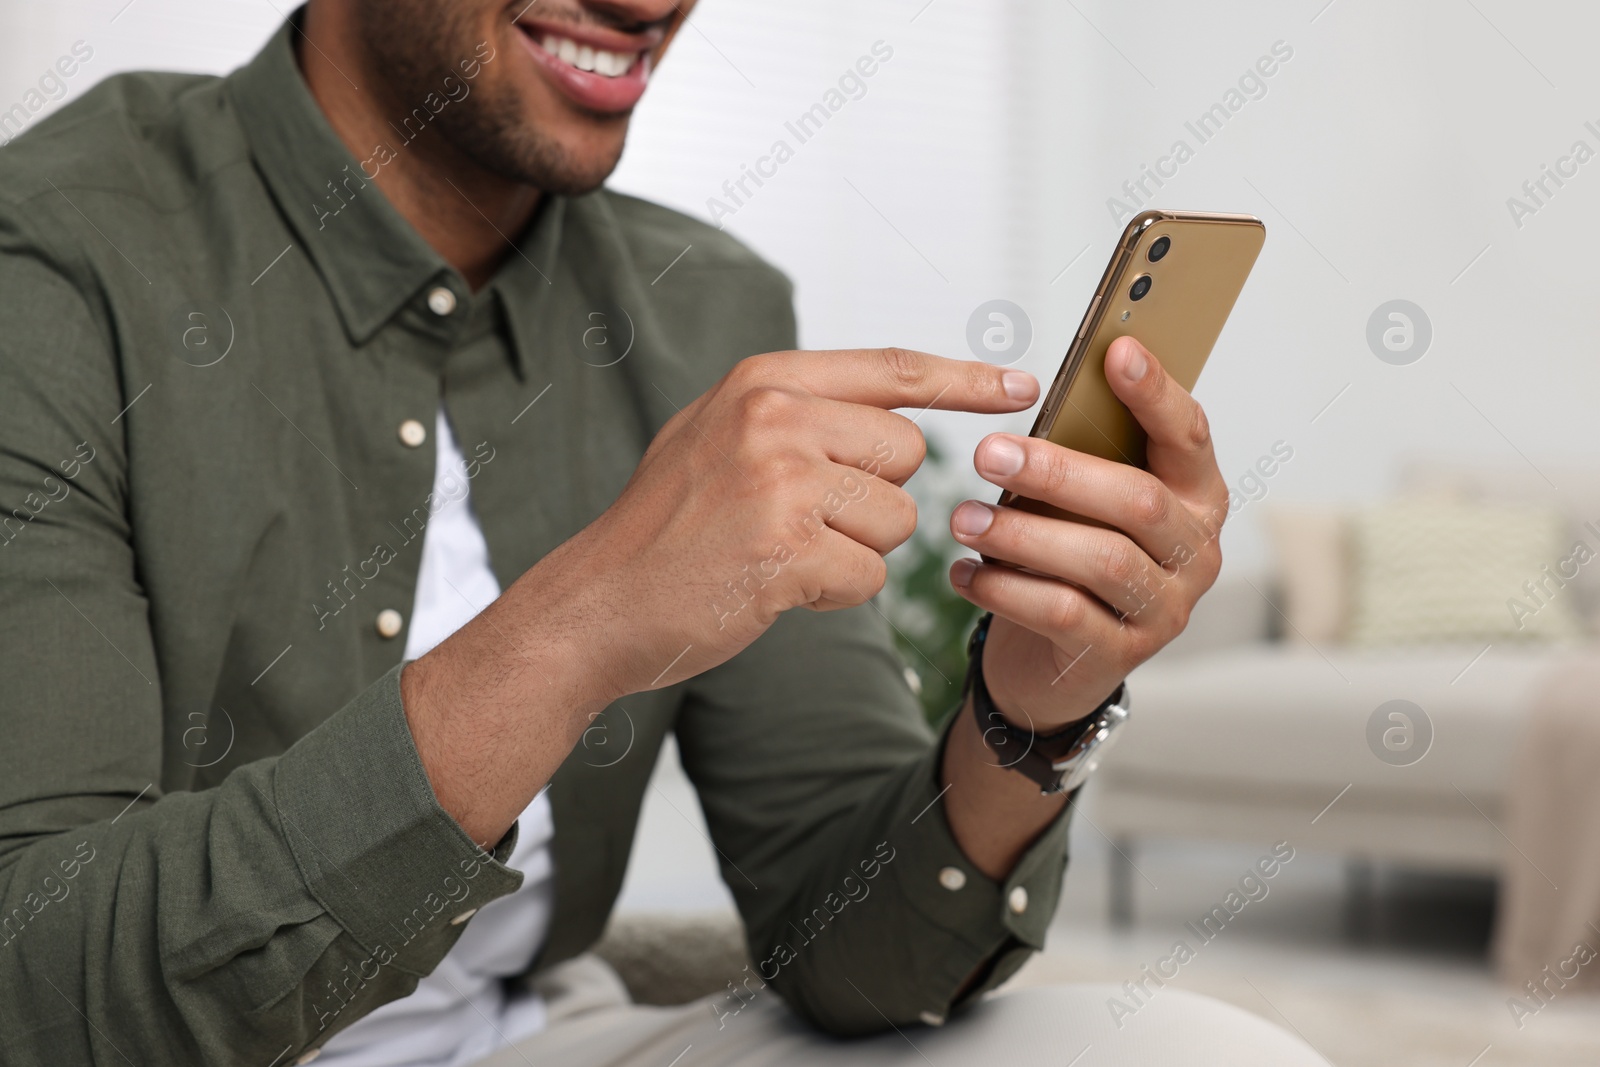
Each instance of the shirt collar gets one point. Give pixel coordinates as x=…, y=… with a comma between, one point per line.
x=370, y=258
x=527, y=279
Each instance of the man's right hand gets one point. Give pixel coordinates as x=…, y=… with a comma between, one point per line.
x=779, y=488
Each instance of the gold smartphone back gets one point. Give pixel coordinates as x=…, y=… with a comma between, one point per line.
x=1189, y=292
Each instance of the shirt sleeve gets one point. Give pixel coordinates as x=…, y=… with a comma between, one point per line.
x=240, y=924
x=820, y=784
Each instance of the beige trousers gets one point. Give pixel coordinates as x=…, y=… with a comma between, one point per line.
x=593, y=1024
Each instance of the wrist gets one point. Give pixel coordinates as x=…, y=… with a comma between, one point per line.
x=1027, y=697
x=493, y=711
x=556, y=638
x=1058, y=759
x=994, y=813
x=1046, y=715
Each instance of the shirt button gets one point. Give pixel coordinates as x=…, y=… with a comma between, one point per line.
x=441, y=301
x=389, y=623
x=309, y=1056
x=1017, y=901
x=463, y=917
x=952, y=878
x=413, y=433
x=931, y=1018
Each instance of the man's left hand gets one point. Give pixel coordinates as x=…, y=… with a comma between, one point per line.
x=1094, y=602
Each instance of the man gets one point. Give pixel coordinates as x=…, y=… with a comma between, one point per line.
x=298, y=755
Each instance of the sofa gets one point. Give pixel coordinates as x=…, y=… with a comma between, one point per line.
x=1247, y=729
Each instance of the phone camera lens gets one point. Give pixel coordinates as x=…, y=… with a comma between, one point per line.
x=1159, y=249
x=1141, y=287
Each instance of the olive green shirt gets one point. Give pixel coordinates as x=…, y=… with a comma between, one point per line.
x=217, y=843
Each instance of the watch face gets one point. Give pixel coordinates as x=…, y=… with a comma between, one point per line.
x=1096, y=748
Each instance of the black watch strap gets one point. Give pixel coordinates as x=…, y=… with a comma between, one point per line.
x=1054, y=761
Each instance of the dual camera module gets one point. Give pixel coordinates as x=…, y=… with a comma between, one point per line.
x=1158, y=251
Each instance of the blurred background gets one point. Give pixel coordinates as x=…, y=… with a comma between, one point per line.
x=1417, y=337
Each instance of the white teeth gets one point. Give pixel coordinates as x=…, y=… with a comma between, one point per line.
x=584, y=57
x=614, y=64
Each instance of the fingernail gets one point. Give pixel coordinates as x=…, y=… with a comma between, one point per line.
x=961, y=572
x=972, y=518
x=1001, y=457
x=1019, y=385
x=1134, y=366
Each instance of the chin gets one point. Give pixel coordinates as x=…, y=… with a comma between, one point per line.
x=534, y=140
x=588, y=151
x=568, y=167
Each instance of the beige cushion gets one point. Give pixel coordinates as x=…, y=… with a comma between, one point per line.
x=1310, y=544
x=1437, y=569
x=1571, y=488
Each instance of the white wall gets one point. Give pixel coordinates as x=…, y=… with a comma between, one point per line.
x=190, y=35
x=1391, y=143
x=1381, y=158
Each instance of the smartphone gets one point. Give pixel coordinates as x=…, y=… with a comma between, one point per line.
x=1170, y=284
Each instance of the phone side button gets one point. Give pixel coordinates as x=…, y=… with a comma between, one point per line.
x=1088, y=316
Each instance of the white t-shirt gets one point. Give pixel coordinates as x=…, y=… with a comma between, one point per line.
x=462, y=1012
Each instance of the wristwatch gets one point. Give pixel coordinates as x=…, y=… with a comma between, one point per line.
x=1058, y=762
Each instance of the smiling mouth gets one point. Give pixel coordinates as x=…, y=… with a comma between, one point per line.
x=600, y=71
x=584, y=57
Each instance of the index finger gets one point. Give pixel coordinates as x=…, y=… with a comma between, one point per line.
x=903, y=378
x=1179, y=450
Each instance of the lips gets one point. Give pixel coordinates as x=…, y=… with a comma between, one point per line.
x=597, y=70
